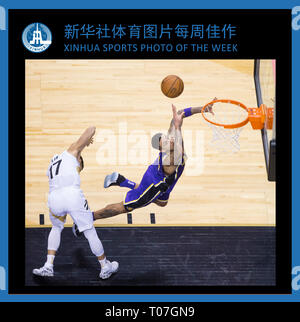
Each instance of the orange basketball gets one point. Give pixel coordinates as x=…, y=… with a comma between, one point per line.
x=172, y=86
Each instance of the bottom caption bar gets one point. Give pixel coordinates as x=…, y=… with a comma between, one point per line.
x=136, y=311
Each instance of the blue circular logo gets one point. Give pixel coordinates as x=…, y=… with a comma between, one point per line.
x=37, y=37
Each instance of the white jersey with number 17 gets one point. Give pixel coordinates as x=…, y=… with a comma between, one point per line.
x=63, y=171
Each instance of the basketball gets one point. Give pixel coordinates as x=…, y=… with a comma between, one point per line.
x=172, y=86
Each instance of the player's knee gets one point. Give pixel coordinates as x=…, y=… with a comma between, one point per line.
x=122, y=208
x=58, y=228
x=90, y=233
x=161, y=204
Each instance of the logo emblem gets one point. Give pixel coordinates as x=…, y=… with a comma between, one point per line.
x=37, y=37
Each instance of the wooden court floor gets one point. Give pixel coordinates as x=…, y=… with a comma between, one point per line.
x=122, y=98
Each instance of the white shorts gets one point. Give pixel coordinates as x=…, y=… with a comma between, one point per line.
x=70, y=200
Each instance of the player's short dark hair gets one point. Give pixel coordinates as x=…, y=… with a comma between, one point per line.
x=82, y=163
x=155, y=140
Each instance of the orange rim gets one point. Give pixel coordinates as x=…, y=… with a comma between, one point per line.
x=226, y=126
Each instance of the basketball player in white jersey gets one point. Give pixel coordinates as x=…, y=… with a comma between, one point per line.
x=66, y=197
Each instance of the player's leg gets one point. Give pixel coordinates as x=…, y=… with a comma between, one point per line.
x=110, y=211
x=116, y=179
x=145, y=193
x=83, y=218
x=150, y=188
x=107, y=268
x=106, y=212
x=135, y=198
x=160, y=203
x=54, y=239
x=137, y=195
x=162, y=199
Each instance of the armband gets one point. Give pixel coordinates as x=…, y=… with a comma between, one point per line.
x=188, y=112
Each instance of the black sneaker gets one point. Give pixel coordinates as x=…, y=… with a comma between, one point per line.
x=114, y=179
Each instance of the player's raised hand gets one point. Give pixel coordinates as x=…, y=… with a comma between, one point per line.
x=177, y=118
x=209, y=108
x=91, y=141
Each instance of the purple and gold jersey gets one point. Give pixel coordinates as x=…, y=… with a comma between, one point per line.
x=150, y=188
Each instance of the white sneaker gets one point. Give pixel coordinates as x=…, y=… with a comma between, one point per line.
x=108, y=269
x=43, y=271
x=111, y=180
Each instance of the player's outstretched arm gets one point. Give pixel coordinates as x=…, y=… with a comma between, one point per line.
x=195, y=110
x=178, y=143
x=177, y=118
x=188, y=112
x=85, y=140
x=174, y=150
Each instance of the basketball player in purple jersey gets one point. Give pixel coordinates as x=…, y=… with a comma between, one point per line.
x=160, y=177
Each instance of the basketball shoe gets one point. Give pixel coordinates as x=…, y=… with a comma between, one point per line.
x=108, y=269
x=43, y=271
x=114, y=179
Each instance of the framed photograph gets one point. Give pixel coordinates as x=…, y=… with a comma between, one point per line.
x=149, y=154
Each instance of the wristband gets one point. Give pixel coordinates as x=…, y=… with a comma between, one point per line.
x=188, y=112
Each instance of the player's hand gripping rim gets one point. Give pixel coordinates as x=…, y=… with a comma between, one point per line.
x=209, y=108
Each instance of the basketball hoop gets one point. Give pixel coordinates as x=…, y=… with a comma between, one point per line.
x=229, y=118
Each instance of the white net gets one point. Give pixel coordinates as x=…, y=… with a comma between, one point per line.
x=223, y=139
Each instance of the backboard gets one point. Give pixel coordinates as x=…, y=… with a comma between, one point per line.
x=265, y=87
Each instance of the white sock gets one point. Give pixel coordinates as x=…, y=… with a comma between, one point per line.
x=50, y=260
x=102, y=262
